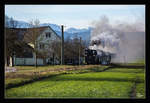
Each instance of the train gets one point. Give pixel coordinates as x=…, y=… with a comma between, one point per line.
x=97, y=57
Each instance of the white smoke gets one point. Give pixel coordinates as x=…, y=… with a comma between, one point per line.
x=124, y=39
x=109, y=41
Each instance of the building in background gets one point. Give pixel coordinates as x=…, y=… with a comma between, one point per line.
x=45, y=39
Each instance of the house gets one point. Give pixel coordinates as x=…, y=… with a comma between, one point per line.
x=42, y=41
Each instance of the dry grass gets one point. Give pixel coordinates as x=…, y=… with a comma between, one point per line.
x=27, y=73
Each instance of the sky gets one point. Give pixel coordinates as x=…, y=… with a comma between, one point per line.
x=78, y=16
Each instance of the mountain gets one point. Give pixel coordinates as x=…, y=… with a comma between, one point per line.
x=69, y=33
x=84, y=35
x=22, y=24
x=53, y=26
x=74, y=30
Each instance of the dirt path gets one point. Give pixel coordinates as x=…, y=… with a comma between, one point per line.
x=133, y=91
x=10, y=69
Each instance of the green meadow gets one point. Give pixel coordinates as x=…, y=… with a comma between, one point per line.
x=93, y=82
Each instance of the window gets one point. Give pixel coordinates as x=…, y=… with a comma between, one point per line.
x=41, y=46
x=48, y=35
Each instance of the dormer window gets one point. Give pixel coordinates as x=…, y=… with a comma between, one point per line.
x=48, y=35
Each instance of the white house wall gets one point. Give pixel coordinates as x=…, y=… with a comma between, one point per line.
x=47, y=40
x=42, y=38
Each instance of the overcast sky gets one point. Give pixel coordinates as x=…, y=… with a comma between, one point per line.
x=79, y=16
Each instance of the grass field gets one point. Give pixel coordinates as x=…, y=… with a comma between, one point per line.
x=30, y=73
x=86, y=83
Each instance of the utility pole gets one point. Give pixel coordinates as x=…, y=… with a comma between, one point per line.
x=79, y=49
x=62, y=45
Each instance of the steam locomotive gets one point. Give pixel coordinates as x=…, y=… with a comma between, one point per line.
x=97, y=57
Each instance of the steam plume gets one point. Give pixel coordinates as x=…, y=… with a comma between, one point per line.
x=126, y=40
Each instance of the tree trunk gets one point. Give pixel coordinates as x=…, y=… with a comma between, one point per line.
x=35, y=60
x=8, y=61
x=44, y=60
x=13, y=61
x=5, y=62
x=53, y=59
x=5, y=56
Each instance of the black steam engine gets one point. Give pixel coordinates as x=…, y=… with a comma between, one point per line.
x=92, y=57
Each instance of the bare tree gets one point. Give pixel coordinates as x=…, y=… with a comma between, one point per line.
x=12, y=45
x=6, y=21
x=56, y=47
x=53, y=51
x=13, y=23
x=71, y=49
x=32, y=35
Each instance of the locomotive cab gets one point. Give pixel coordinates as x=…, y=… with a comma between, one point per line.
x=91, y=57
